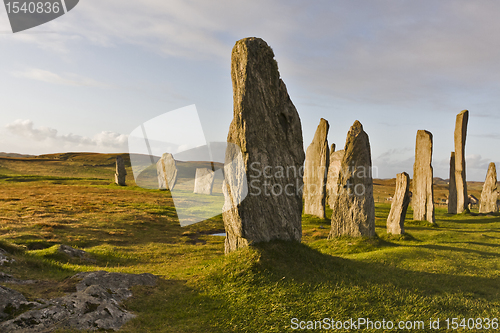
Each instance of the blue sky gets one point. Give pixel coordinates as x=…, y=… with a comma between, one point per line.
x=84, y=81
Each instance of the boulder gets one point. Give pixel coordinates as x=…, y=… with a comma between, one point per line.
x=423, y=190
x=315, y=172
x=120, y=173
x=399, y=205
x=166, y=170
x=460, y=179
x=354, y=206
x=489, y=195
x=204, y=181
x=267, y=131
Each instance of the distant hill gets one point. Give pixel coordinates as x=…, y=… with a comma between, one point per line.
x=2, y=154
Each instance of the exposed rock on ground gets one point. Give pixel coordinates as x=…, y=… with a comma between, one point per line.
x=94, y=306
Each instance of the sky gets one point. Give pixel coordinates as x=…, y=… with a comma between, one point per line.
x=88, y=79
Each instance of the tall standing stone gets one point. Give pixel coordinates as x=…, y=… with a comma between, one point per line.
x=204, y=181
x=489, y=195
x=166, y=169
x=120, y=173
x=315, y=172
x=266, y=126
x=354, y=206
x=423, y=191
x=460, y=180
x=332, y=149
x=400, y=201
x=334, y=170
x=452, y=187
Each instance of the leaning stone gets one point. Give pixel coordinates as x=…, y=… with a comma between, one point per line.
x=399, y=205
x=204, y=181
x=120, y=173
x=167, y=172
x=332, y=186
x=266, y=126
x=423, y=191
x=452, y=187
x=489, y=195
x=315, y=172
x=460, y=181
x=354, y=206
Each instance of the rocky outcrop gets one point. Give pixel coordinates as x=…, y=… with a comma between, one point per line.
x=166, y=170
x=489, y=195
x=120, y=173
x=315, y=172
x=460, y=179
x=399, y=205
x=94, y=306
x=266, y=127
x=354, y=206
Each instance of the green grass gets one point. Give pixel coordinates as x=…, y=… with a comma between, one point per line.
x=446, y=270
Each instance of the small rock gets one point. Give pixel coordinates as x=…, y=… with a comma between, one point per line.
x=72, y=252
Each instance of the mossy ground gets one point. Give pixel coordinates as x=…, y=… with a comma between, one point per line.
x=447, y=270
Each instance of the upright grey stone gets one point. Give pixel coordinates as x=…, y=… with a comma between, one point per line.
x=120, y=173
x=354, y=206
x=204, y=181
x=460, y=180
x=315, y=172
x=166, y=169
x=423, y=191
x=452, y=187
x=489, y=195
x=400, y=201
x=333, y=176
x=266, y=126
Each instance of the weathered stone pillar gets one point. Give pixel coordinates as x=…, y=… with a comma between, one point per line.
x=489, y=195
x=400, y=201
x=166, y=169
x=315, y=172
x=423, y=191
x=354, y=206
x=452, y=187
x=266, y=126
x=460, y=179
x=120, y=173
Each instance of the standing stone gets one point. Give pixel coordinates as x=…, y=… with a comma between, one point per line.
x=204, y=181
x=332, y=149
x=460, y=181
x=166, y=169
x=266, y=126
x=354, y=206
x=452, y=187
x=315, y=172
x=423, y=191
x=489, y=195
x=400, y=201
x=120, y=173
x=334, y=170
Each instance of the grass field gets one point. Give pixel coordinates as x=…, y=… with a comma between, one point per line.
x=446, y=271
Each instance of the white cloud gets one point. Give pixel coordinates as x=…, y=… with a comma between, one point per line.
x=48, y=139
x=69, y=79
